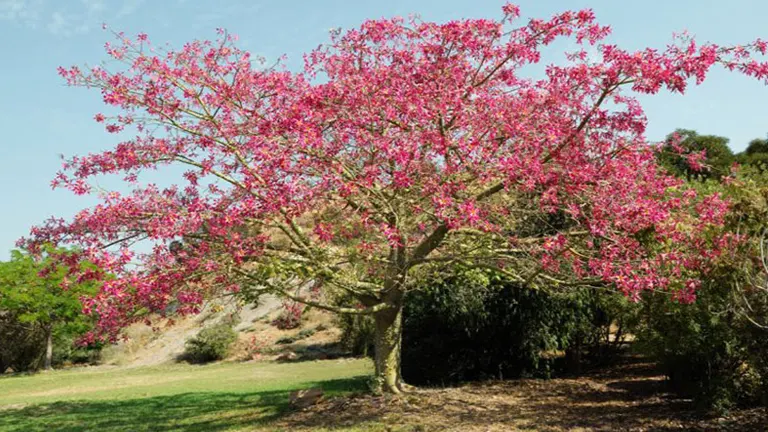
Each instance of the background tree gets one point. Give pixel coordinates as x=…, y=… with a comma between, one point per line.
x=401, y=148
x=756, y=154
x=40, y=297
x=688, y=154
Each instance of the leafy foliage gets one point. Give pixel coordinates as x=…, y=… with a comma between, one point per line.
x=357, y=334
x=756, y=154
x=211, y=343
x=715, y=349
x=707, y=350
x=42, y=292
x=67, y=350
x=303, y=334
x=38, y=297
x=21, y=344
x=472, y=325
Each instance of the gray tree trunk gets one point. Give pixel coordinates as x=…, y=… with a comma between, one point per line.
x=388, y=337
x=49, y=347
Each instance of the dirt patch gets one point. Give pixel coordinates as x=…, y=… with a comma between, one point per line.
x=630, y=397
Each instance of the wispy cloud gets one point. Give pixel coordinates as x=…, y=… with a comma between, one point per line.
x=58, y=23
x=129, y=7
x=65, y=18
x=94, y=7
x=25, y=12
x=205, y=16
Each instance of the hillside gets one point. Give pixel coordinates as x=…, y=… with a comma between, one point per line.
x=257, y=337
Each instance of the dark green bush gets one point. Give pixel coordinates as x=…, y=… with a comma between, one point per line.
x=470, y=325
x=66, y=350
x=212, y=343
x=715, y=350
x=22, y=345
x=596, y=323
x=285, y=340
x=303, y=334
x=719, y=156
x=709, y=352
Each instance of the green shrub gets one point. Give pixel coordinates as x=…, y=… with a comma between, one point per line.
x=22, y=345
x=66, y=350
x=471, y=325
x=595, y=323
x=303, y=334
x=285, y=340
x=709, y=352
x=212, y=343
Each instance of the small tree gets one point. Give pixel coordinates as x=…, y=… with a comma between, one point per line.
x=401, y=145
x=41, y=294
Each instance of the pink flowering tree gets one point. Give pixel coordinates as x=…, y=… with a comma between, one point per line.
x=402, y=146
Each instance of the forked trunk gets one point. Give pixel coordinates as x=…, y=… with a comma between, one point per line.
x=389, y=330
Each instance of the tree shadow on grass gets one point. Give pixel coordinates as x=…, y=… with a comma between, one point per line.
x=629, y=398
x=203, y=411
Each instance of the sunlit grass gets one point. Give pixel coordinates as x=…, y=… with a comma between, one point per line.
x=218, y=397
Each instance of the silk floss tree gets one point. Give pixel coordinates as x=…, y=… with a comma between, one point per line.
x=402, y=146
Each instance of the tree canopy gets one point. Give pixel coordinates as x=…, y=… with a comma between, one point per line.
x=756, y=154
x=38, y=293
x=401, y=145
x=42, y=294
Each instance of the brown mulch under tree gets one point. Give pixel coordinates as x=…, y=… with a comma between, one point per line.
x=629, y=397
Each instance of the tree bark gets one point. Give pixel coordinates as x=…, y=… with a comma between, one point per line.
x=388, y=337
x=573, y=358
x=49, y=347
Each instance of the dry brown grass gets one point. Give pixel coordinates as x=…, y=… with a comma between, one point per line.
x=326, y=334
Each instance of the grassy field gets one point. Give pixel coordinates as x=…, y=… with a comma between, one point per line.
x=630, y=396
x=220, y=397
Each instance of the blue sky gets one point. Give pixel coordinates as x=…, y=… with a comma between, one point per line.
x=40, y=118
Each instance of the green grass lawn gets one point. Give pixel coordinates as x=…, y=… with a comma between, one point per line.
x=219, y=397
